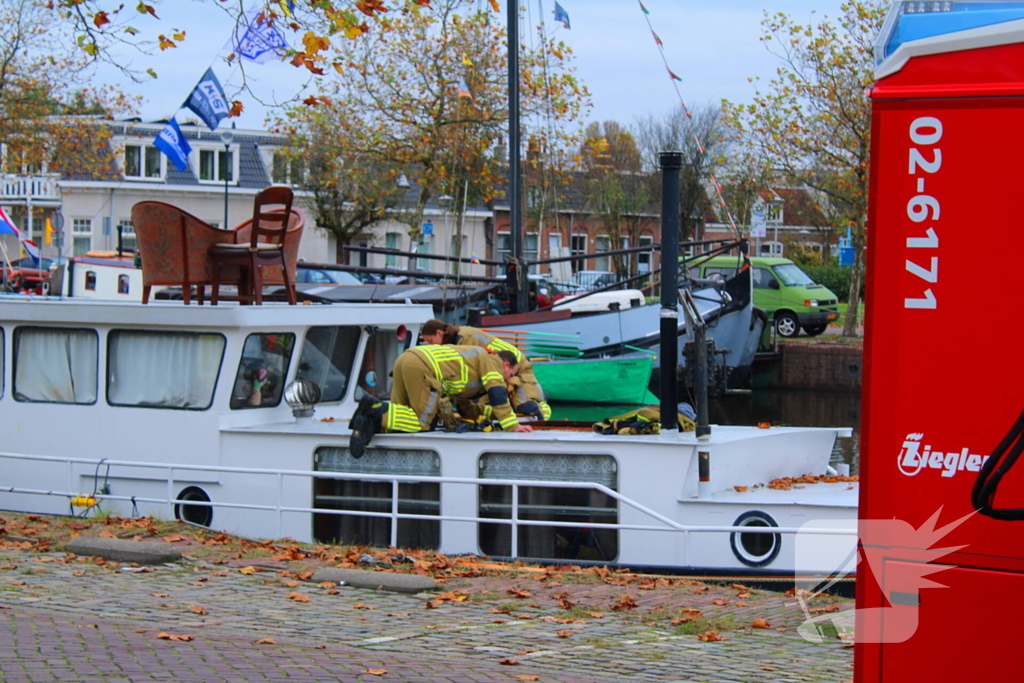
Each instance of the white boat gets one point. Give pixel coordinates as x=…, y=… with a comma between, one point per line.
x=156, y=409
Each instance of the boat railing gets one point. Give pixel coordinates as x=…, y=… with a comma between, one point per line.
x=279, y=508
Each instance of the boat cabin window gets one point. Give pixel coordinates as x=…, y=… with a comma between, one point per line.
x=382, y=350
x=90, y=280
x=122, y=284
x=327, y=359
x=374, y=494
x=550, y=504
x=163, y=369
x=55, y=365
x=259, y=381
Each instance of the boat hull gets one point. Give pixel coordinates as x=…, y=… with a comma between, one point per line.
x=617, y=380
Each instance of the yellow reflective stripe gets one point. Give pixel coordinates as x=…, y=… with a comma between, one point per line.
x=545, y=409
x=492, y=377
x=509, y=422
x=440, y=354
x=502, y=345
x=401, y=418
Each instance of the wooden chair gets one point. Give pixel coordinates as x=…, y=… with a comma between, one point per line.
x=173, y=246
x=264, y=248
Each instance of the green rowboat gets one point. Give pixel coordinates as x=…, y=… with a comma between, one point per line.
x=621, y=380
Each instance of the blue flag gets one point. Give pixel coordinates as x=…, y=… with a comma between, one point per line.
x=257, y=40
x=561, y=15
x=172, y=142
x=208, y=101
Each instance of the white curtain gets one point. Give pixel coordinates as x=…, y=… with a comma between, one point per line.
x=57, y=366
x=163, y=370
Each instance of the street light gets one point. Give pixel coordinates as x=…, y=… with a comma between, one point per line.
x=226, y=136
x=444, y=202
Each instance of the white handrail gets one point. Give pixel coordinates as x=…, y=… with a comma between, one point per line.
x=394, y=515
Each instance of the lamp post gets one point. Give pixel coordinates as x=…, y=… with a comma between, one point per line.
x=226, y=137
x=444, y=202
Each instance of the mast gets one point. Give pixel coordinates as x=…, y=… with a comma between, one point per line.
x=516, y=279
x=671, y=164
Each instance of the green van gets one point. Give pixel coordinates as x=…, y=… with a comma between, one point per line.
x=783, y=291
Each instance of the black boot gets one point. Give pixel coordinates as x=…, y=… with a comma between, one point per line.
x=366, y=422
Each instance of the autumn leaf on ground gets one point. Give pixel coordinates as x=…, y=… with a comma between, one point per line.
x=527, y=677
x=710, y=637
x=360, y=605
x=298, y=597
x=519, y=593
x=761, y=623
x=701, y=589
x=375, y=672
x=248, y=570
x=508, y=662
x=596, y=615
x=720, y=602
x=526, y=651
x=159, y=595
x=198, y=609
x=326, y=584
x=564, y=633
x=290, y=584
x=170, y=636
x=566, y=604
x=174, y=539
x=398, y=614
x=626, y=602
x=77, y=573
x=740, y=603
x=498, y=610
x=266, y=641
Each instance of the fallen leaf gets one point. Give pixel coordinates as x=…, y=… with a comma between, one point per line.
x=564, y=633
x=740, y=489
x=333, y=591
x=626, y=602
x=290, y=584
x=159, y=595
x=327, y=584
x=710, y=637
x=77, y=573
x=174, y=539
x=527, y=650
x=761, y=623
x=321, y=647
x=375, y=672
x=298, y=597
x=198, y=609
x=527, y=677
x=398, y=614
x=781, y=630
x=508, y=662
x=163, y=635
x=248, y=570
x=17, y=583
x=360, y=605
x=519, y=593
x=740, y=603
x=266, y=641
x=720, y=602
x=88, y=625
x=596, y=615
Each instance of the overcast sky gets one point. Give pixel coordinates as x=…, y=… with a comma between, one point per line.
x=714, y=49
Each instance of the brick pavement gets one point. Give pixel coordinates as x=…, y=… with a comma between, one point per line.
x=76, y=621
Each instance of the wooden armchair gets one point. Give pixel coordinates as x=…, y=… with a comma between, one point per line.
x=174, y=247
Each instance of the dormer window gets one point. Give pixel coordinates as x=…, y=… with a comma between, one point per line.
x=217, y=166
x=142, y=162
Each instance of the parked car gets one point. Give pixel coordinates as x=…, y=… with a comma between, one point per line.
x=783, y=291
x=306, y=273
x=26, y=274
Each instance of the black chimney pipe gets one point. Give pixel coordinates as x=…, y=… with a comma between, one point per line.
x=671, y=165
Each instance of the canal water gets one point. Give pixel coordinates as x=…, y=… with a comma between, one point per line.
x=777, y=406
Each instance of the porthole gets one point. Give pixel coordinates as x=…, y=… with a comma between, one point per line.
x=200, y=515
x=755, y=550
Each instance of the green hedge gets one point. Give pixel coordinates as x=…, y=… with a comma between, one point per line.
x=833, y=276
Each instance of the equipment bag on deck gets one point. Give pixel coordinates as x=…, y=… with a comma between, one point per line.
x=646, y=420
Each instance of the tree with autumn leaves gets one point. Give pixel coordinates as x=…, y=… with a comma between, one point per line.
x=423, y=94
x=812, y=124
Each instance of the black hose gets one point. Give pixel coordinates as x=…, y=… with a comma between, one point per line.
x=1002, y=460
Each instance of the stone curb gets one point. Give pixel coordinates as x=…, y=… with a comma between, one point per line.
x=357, y=578
x=120, y=550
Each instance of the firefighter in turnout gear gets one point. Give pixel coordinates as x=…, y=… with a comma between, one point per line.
x=423, y=375
x=526, y=394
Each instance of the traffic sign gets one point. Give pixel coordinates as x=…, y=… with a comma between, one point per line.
x=57, y=221
x=428, y=228
x=758, y=222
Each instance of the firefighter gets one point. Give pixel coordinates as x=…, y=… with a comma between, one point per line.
x=527, y=397
x=423, y=375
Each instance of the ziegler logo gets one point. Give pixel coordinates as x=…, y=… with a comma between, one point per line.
x=913, y=458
